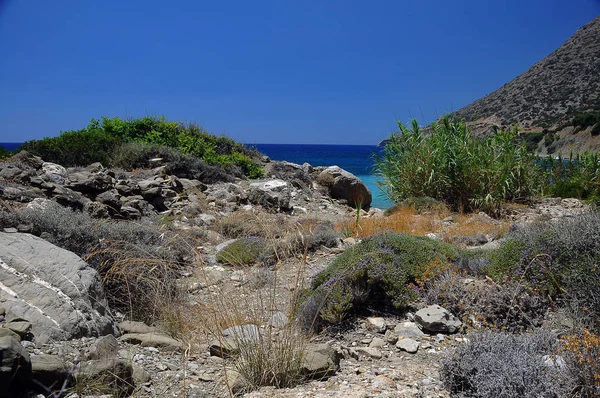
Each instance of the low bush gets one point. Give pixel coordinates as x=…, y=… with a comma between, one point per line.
x=312, y=234
x=448, y=164
x=100, y=138
x=500, y=365
x=582, y=353
x=480, y=304
x=245, y=252
x=576, y=177
x=134, y=155
x=542, y=255
x=381, y=270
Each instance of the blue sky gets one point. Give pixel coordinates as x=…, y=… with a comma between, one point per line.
x=329, y=72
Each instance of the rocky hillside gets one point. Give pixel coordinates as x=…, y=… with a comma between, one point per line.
x=546, y=99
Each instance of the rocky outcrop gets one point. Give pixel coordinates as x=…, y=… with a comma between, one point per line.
x=52, y=288
x=274, y=194
x=345, y=186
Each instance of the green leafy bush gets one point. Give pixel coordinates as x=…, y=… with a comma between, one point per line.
x=576, y=177
x=381, y=270
x=97, y=142
x=499, y=365
x=451, y=165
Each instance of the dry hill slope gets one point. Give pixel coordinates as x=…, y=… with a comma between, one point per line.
x=546, y=98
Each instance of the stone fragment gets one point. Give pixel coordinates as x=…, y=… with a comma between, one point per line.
x=436, y=319
x=104, y=348
x=134, y=327
x=408, y=345
x=345, y=186
x=376, y=325
x=51, y=371
x=165, y=343
x=369, y=352
x=408, y=329
x=107, y=376
x=320, y=361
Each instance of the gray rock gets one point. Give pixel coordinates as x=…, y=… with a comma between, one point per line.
x=243, y=334
x=391, y=337
x=54, y=172
x=346, y=186
x=15, y=367
x=408, y=345
x=135, y=327
x=107, y=376
x=89, y=183
x=4, y=332
x=273, y=194
x=278, y=320
x=140, y=376
x=377, y=342
x=52, y=288
x=104, y=348
x=376, y=325
x=235, y=382
x=19, y=327
x=435, y=319
x=50, y=371
x=408, y=329
x=369, y=352
x=165, y=343
x=320, y=361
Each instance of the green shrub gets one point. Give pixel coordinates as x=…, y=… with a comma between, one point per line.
x=585, y=120
x=499, y=365
x=451, y=165
x=384, y=269
x=576, y=177
x=97, y=142
x=245, y=252
x=542, y=255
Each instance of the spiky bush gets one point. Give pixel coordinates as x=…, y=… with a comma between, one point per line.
x=499, y=365
x=480, y=304
x=245, y=252
x=385, y=269
x=449, y=164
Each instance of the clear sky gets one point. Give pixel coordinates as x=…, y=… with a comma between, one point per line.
x=284, y=71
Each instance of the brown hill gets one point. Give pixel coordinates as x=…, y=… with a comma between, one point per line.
x=556, y=102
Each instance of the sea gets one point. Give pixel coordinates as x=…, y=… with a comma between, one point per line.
x=357, y=159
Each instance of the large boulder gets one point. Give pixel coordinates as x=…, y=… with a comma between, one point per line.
x=52, y=288
x=273, y=194
x=346, y=186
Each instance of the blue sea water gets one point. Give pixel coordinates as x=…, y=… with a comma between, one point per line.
x=357, y=159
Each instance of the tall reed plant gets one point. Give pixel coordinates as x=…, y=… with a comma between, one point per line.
x=448, y=163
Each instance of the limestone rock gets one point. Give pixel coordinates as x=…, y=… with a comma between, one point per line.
x=436, y=319
x=153, y=340
x=408, y=329
x=346, y=186
x=376, y=325
x=320, y=361
x=408, y=345
x=273, y=194
x=52, y=288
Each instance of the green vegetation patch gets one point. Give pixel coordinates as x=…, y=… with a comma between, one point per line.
x=451, y=165
x=245, y=252
x=100, y=138
x=386, y=268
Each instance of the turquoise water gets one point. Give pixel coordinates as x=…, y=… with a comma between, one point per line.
x=357, y=159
